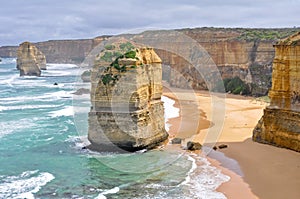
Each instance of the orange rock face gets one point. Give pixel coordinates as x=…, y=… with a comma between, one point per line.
x=280, y=124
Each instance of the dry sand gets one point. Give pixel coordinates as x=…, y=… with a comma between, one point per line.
x=256, y=170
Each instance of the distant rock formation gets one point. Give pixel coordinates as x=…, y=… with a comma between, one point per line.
x=86, y=76
x=60, y=51
x=30, y=61
x=280, y=124
x=127, y=111
x=82, y=91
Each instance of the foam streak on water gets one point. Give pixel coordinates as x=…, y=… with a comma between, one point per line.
x=170, y=110
x=110, y=191
x=67, y=111
x=23, y=185
x=204, y=180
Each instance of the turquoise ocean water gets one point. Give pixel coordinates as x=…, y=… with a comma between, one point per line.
x=42, y=128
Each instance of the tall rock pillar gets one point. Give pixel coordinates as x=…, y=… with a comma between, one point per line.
x=127, y=111
x=280, y=124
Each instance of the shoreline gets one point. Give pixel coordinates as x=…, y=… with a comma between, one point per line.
x=256, y=170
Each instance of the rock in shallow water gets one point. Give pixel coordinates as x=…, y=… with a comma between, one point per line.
x=30, y=61
x=127, y=111
x=82, y=91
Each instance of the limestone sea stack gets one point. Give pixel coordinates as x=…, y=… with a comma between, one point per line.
x=127, y=112
x=30, y=61
x=280, y=124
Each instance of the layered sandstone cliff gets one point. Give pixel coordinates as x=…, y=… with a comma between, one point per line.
x=280, y=124
x=60, y=51
x=127, y=111
x=250, y=60
x=237, y=52
x=30, y=61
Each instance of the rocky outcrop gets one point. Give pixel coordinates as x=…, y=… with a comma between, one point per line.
x=127, y=111
x=280, y=124
x=30, y=61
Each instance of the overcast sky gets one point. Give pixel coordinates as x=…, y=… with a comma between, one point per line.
x=40, y=20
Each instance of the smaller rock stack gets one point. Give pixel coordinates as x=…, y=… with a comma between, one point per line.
x=30, y=61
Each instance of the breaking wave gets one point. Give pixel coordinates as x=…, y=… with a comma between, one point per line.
x=23, y=185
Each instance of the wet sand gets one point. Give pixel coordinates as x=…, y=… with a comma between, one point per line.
x=256, y=170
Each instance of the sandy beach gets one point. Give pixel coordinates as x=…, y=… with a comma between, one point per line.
x=256, y=170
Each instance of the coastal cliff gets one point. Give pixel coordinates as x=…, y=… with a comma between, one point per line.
x=127, y=111
x=68, y=51
x=280, y=124
x=60, y=51
x=30, y=61
x=237, y=52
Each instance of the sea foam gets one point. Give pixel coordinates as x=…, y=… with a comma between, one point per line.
x=23, y=185
x=66, y=111
x=8, y=61
x=60, y=70
x=8, y=127
x=110, y=191
x=51, y=96
x=203, y=180
x=170, y=110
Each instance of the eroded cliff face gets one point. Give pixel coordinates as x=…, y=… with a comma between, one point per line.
x=30, y=61
x=237, y=52
x=60, y=51
x=68, y=51
x=280, y=124
x=127, y=112
x=250, y=60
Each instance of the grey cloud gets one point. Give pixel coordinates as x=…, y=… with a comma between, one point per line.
x=38, y=20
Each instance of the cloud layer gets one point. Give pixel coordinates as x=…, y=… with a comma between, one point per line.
x=39, y=20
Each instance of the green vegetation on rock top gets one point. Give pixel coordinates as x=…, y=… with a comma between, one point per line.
x=265, y=34
x=108, y=77
x=109, y=56
x=109, y=47
x=130, y=54
x=126, y=46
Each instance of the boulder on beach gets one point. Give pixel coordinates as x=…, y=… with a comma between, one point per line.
x=176, y=141
x=193, y=146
